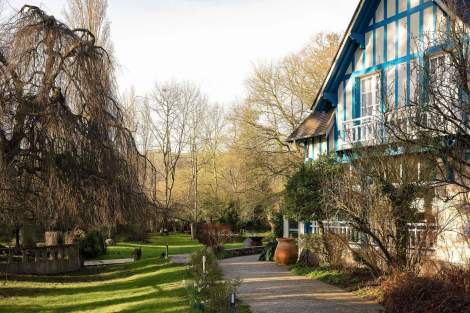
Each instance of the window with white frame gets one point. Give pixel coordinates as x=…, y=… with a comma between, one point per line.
x=440, y=72
x=437, y=65
x=370, y=95
x=443, y=87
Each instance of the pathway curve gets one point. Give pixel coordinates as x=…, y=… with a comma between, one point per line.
x=269, y=288
x=107, y=262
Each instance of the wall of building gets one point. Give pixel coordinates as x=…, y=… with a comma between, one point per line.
x=393, y=42
x=391, y=47
x=318, y=146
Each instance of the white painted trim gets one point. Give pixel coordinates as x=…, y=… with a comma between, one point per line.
x=285, y=228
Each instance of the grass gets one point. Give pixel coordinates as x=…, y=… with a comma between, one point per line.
x=234, y=245
x=178, y=243
x=148, y=285
x=357, y=280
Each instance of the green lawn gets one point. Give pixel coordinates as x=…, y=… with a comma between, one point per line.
x=148, y=285
x=177, y=244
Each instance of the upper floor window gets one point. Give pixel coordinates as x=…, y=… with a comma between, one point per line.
x=437, y=65
x=370, y=95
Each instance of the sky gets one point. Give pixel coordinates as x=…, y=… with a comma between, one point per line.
x=213, y=43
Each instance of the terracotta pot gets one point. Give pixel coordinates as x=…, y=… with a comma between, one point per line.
x=286, y=251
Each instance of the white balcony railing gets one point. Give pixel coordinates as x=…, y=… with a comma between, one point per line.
x=374, y=129
x=363, y=131
x=421, y=235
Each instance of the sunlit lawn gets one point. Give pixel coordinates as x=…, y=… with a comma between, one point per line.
x=177, y=244
x=149, y=285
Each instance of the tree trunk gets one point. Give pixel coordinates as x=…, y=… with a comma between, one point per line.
x=17, y=237
x=193, y=230
x=402, y=237
x=326, y=244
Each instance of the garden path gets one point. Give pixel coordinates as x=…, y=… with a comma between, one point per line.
x=107, y=262
x=270, y=288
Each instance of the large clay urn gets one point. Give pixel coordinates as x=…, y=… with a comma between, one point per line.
x=286, y=251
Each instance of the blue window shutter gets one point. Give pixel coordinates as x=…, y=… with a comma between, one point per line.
x=356, y=98
x=383, y=90
x=328, y=143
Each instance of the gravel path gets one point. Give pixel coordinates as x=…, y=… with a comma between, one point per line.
x=269, y=288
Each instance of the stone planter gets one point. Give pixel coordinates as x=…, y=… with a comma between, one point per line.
x=286, y=251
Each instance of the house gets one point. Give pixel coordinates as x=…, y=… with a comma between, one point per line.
x=378, y=51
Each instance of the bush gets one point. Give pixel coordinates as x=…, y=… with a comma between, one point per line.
x=213, y=235
x=329, y=251
x=277, y=222
x=133, y=232
x=446, y=292
x=269, y=249
x=92, y=245
x=209, y=293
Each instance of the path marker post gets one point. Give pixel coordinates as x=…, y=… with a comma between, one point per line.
x=233, y=307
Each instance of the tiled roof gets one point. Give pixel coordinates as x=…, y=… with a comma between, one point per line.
x=316, y=124
x=461, y=7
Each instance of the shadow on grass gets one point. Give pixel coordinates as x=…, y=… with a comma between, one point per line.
x=149, y=285
x=93, y=273
x=148, y=302
x=145, y=274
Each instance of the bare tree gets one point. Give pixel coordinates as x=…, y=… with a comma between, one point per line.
x=171, y=104
x=196, y=124
x=214, y=141
x=435, y=117
x=66, y=157
x=280, y=96
x=130, y=105
x=382, y=197
x=91, y=15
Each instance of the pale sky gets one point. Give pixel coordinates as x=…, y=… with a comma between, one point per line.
x=213, y=43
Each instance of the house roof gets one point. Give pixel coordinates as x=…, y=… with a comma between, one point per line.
x=316, y=124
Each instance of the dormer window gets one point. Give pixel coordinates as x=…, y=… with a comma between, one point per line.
x=370, y=95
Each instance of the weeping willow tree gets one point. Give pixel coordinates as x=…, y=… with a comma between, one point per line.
x=66, y=158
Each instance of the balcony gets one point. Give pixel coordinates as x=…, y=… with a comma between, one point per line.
x=363, y=131
x=375, y=129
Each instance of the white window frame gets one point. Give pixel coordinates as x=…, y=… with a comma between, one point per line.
x=373, y=108
x=437, y=56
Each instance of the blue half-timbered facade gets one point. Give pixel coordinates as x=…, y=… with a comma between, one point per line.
x=375, y=61
x=374, y=66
